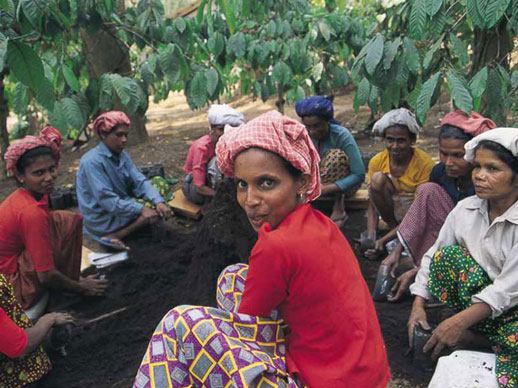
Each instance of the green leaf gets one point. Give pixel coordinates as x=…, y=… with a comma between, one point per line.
x=230, y=14
x=438, y=23
x=70, y=78
x=3, y=50
x=373, y=99
x=414, y=95
x=73, y=113
x=122, y=87
x=424, y=100
x=431, y=53
x=492, y=10
x=105, y=92
x=25, y=64
x=363, y=92
x=514, y=79
x=460, y=48
x=236, y=45
x=413, y=59
x=374, y=54
x=58, y=118
x=212, y=81
x=216, y=43
x=433, y=6
x=478, y=83
x=73, y=10
x=325, y=29
x=494, y=97
x=198, y=90
x=33, y=10
x=180, y=25
x=20, y=99
x=45, y=95
x=282, y=73
x=474, y=14
x=460, y=92
x=169, y=63
x=390, y=52
x=418, y=16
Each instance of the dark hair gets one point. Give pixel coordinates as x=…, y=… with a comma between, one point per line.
x=294, y=172
x=411, y=135
x=28, y=158
x=501, y=153
x=452, y=132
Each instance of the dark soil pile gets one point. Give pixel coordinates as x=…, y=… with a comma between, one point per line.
x=182, y=269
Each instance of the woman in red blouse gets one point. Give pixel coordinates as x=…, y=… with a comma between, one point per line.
x=303, y=315
x=39, y=250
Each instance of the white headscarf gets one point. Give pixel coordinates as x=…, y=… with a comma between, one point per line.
x=400, y=116
x=506, y=137
x=225, y=115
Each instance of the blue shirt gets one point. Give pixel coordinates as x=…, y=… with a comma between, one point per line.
x=107, y=187
x=340, y=137
x=438, y=175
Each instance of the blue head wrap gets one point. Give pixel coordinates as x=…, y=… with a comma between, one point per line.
x=320, y=106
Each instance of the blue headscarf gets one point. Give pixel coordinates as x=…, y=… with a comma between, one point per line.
x=320, y=106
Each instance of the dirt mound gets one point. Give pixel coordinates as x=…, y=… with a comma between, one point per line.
x=160, y=275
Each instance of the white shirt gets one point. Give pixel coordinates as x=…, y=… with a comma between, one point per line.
x=493, y=246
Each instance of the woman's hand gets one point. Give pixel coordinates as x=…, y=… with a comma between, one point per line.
x=57, y=319
x=402, y=284
x=417, y=318
x=163, y=210
x=93, y=286
x=447, y=335
x=392, y=261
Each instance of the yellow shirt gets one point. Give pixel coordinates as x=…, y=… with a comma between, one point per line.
x=417, y=172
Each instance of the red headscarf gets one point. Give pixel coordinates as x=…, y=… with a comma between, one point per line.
x=49, y=137
x=105, y=122
x=276, y=133
x=473, y=125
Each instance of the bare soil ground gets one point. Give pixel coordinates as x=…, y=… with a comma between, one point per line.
x=182, y=268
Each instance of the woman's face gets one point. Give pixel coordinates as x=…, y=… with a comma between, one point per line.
x=451, y=152
x=266, y=191
x=317, y=127
x=493, y=179
x=39, y=176
x=398, y=141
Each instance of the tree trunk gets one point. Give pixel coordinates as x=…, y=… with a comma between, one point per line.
x=105, y=54
x=280, y=99
x=491, y=46
x=4, y=135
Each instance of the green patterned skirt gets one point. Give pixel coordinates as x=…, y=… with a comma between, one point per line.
x=454, y=278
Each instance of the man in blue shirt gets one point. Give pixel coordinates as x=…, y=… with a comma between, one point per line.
x=108, y=185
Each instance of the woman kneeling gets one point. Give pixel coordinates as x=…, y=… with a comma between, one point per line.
x=473, y=265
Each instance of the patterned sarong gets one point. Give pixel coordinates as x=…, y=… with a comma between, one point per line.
x=421, y=225
x=216, y=347
x=454, y=278
x=334, y=167
x=19, y=372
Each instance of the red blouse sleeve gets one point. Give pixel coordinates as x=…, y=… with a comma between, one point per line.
x=13, y=339
x=35, y=224
x=266, y=285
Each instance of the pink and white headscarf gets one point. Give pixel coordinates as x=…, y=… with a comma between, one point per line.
x=104, y=123
x=49, y=137
x=276, y=133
